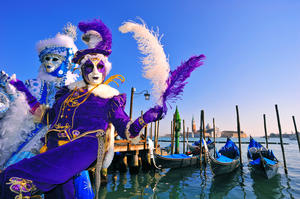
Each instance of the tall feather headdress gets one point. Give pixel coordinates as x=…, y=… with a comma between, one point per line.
x=167, y=86
x=98, y=38
x=156, y=66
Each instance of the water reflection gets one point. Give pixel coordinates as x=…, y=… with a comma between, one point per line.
x=221, y=185
x=179, y=183
x=267, y=188
x=288, y=188
x=190, y=183
x=204, y=180
x=124, y=185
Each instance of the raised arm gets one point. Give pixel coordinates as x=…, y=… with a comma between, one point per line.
x=126, y=128
x=41, y=113
x=31, y=100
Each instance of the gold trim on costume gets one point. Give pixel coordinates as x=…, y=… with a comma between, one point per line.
x=141, y=121
x=44, y=148
x=21, y=185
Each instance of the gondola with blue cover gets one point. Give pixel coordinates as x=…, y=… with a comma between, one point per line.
x=196, y=145
x=261, y=160
x=177, y=160
x=226, y=159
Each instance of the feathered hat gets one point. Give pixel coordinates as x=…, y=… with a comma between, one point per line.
x=60, y=44
x=98, y=38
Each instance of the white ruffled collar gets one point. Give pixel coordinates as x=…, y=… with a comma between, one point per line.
x=103, y=90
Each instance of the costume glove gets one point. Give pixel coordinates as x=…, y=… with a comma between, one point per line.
x=31, y=100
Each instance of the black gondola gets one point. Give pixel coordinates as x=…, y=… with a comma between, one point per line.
x=261, y=160
x=175, y=161
x=195, y=147
x=226, y=160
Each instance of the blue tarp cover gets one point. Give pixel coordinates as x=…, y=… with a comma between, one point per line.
x=177, y=156
x=223, y=158
x=230, y=150
x=257, y=161
x=197, y=143
x=266, y=153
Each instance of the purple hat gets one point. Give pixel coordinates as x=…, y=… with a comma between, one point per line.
x=98, y=38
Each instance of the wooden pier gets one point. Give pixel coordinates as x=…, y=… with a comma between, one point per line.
x=126, y=146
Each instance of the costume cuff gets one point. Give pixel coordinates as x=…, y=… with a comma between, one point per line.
x=134, y=140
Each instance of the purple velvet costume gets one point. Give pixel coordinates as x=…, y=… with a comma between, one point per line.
x=55, y=169
x=83, y=121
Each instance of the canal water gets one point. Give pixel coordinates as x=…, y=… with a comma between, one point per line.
x=200, y=183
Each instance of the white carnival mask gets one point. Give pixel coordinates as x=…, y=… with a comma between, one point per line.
x=52, y=61
x=93, y=70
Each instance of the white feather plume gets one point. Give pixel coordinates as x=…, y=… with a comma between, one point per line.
x=14, y=127
x=156, y=66
x=70, y=30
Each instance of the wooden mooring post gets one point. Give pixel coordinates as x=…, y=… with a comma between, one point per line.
x=145, y=132
x=157, y=133
x=296, y=132
x=239, y=133
x=187, y=139
x=280, y=136
x=201, y=130
x=214, y=127
x=183, y=126
x=266, y=133
x=203, y=124
x=131, y=102
x=155, y=143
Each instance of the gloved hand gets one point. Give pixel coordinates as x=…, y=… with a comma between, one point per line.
x=152, y=115
x=31, y=100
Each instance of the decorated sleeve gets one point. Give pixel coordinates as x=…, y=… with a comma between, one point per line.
x=117, y=115
x=125, y=127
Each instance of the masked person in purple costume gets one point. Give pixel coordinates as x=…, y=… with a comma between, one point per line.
x=80, y=117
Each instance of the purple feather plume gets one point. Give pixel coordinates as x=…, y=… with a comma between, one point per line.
x=101, y=28
x=176, y=80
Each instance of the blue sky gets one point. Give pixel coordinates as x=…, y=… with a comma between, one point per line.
x=252, y=50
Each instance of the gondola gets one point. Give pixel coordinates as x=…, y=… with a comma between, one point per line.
x=175, y=160
x=261, y=160
x=196, y=145
x=172, y=161
x=226, y=160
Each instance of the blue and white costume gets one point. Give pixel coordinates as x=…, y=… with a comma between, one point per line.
x=22, y=139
